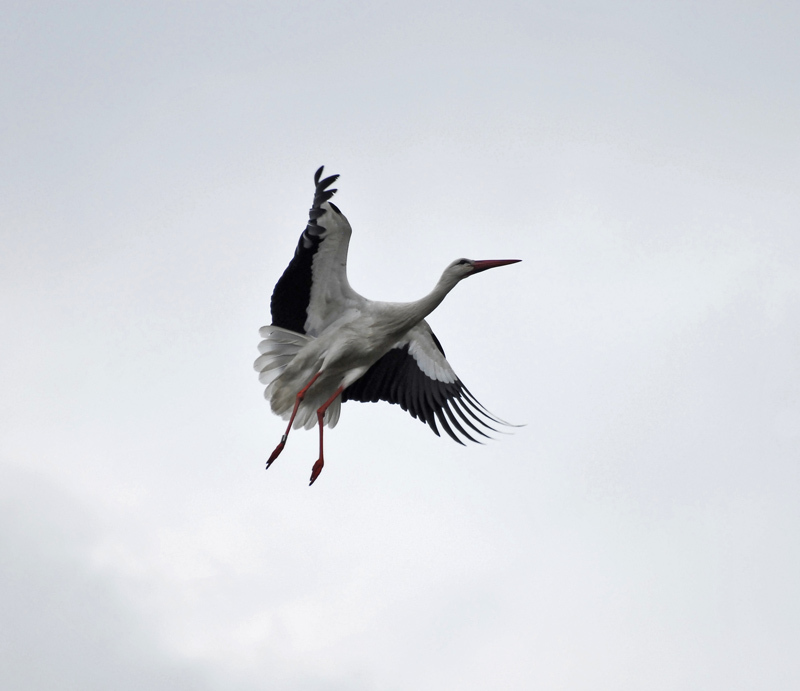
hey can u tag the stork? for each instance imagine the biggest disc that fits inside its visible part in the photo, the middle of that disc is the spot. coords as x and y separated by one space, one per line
327 344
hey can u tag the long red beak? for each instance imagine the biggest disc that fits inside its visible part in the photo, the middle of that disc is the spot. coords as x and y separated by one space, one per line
491 263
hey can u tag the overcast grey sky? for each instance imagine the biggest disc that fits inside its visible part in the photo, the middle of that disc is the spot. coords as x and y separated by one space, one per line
641 532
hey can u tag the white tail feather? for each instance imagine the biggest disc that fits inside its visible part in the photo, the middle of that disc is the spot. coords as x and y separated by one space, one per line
278 349
307 413
270 361
277 334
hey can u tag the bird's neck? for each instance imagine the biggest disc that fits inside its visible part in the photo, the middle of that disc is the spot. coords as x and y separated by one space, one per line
412 313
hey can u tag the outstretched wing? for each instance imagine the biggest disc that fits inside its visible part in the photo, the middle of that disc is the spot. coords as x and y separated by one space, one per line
313 290
415 375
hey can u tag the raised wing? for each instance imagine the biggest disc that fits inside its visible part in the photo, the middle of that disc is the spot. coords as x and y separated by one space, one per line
313 290
415 375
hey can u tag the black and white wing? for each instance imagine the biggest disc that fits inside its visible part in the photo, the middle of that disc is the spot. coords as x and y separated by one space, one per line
313 290
415 375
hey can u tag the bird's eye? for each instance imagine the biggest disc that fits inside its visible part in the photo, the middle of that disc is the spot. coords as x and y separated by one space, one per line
463 261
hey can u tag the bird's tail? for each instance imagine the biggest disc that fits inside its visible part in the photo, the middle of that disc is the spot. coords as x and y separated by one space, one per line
278 349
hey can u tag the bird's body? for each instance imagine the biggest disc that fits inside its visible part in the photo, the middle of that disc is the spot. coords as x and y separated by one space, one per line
327 344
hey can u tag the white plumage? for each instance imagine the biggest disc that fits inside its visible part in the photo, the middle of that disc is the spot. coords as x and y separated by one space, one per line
327 344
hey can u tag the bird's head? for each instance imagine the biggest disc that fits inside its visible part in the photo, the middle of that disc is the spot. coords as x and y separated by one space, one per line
461 268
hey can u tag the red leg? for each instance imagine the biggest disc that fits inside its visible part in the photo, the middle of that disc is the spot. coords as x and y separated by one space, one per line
297 402
317 469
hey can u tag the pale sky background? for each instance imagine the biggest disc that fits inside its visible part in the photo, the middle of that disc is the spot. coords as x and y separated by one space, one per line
641 532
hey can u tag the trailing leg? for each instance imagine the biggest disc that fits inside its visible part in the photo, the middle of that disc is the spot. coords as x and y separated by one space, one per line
317 469
298 399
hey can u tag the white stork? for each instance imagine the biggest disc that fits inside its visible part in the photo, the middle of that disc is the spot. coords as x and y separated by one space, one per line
327 344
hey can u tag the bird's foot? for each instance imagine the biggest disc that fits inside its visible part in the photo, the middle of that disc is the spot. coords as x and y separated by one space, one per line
316 470
277 451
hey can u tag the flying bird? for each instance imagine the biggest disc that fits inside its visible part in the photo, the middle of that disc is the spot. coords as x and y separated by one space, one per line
327 344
